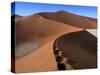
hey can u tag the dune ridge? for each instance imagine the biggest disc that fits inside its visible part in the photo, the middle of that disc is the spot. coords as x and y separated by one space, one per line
44 29
38 32
71 19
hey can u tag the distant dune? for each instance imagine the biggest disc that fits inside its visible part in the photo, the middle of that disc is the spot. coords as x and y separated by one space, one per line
36 34
71 19
92 19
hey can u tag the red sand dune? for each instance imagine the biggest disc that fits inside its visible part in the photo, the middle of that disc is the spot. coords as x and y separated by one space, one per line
44 29
71 19
36 28
32 28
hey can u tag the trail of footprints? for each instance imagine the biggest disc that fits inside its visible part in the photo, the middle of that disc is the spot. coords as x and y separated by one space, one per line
62 62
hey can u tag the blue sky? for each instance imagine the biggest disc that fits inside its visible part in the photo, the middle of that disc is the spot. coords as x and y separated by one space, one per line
28 8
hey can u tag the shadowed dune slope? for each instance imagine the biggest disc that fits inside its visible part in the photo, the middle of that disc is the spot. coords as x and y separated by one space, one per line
71 19
80 48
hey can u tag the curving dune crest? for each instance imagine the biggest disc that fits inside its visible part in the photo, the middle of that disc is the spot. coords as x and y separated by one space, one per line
36 34
38 29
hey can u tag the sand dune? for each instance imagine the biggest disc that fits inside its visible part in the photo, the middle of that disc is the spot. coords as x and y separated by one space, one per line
92 19
35 36
40 60
80 48
41 30
36 28
71 19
